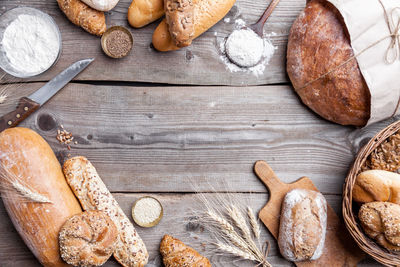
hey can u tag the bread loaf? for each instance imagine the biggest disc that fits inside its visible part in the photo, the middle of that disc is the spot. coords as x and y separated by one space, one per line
377 185
179 15
318 42
94 195
101 5
205 15
143 12
302 227
82 15
35 193
175 253
88 239
381 221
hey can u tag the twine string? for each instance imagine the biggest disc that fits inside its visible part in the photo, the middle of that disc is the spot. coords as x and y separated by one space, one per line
392 52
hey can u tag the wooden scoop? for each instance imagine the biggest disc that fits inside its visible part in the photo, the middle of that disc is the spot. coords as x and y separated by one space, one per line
339 249
258 29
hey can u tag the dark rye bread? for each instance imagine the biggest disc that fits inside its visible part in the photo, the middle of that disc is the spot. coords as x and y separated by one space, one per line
318 42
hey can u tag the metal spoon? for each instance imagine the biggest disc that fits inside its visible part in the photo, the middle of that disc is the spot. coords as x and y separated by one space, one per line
257 28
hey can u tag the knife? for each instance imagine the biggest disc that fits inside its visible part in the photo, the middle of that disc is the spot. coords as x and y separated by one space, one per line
28 105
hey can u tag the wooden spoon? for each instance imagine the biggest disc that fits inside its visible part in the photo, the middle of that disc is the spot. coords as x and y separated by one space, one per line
258 29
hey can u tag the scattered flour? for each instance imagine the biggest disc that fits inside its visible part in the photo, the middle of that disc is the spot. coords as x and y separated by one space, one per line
31 44
267 51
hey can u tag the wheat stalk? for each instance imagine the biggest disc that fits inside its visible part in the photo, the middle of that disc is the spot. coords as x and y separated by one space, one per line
253 222
228 230
235 251
13 183
29 194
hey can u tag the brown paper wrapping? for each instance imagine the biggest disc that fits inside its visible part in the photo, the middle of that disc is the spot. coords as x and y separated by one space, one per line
366 23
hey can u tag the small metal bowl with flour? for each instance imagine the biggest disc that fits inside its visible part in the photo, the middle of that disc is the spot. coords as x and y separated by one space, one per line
30 42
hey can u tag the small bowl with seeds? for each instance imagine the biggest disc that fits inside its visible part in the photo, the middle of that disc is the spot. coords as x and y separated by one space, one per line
147 211
117 42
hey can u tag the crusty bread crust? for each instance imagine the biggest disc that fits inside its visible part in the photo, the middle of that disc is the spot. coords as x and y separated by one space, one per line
82 15
206 14
318 42
302 226
179 15
176 253
27 155
93 195
88 239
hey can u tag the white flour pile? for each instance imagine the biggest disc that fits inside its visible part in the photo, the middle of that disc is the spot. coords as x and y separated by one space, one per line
147 210
245 47
31 44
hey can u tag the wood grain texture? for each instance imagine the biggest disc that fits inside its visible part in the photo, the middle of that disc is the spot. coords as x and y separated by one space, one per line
198 64
176 222
160 139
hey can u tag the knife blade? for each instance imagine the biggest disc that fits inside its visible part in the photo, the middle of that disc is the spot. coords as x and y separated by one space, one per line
28 105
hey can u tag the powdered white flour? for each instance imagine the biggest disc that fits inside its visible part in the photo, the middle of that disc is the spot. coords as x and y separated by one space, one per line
31 44
147 210
244 47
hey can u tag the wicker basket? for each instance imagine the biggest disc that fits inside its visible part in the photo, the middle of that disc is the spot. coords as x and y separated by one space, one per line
379 253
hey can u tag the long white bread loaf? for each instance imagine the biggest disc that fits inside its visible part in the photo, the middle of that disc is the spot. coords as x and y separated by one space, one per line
94 195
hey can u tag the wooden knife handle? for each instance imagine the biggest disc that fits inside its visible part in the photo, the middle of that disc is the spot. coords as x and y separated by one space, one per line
25 108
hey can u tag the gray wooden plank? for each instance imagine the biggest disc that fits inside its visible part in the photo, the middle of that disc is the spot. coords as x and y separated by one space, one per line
162 139
177 209
198 64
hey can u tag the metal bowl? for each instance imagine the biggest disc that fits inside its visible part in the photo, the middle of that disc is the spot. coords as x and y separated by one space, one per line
151 224
9 17
107 33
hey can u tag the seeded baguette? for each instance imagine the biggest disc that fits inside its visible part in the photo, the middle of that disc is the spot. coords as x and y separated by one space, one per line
92 193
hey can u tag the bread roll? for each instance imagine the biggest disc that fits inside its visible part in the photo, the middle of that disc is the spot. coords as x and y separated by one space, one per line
377 185
302 226
206 14
88 239
381 221
94 195
175 253
318 42
101 5
27 161
143 12
82 15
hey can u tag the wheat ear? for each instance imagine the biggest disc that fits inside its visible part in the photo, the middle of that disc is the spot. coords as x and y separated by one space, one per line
228 230
3 96
235 251
253 222
29 194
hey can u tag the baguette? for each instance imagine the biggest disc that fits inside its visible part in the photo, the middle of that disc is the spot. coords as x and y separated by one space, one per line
82 15
206 14
94 195
143 12
377 185
43 201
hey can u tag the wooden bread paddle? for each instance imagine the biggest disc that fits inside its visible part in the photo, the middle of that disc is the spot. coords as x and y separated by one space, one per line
339 250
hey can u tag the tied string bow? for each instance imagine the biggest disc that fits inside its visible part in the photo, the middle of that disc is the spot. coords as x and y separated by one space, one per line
392 52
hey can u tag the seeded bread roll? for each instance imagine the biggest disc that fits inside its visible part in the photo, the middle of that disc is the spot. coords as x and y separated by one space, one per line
94 195
38 199
88 239
318 42
381 221
302 226
179 15
205 15
176 254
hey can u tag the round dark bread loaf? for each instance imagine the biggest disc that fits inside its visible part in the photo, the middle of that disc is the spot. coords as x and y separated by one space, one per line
318 42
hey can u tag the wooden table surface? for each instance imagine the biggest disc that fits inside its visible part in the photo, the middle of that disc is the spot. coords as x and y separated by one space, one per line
162 124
